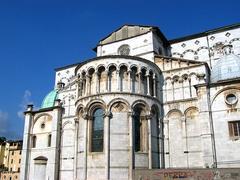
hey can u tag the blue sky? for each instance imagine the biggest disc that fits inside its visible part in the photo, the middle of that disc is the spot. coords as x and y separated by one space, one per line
38 36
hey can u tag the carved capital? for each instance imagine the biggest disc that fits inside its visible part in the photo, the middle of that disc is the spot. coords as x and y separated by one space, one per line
76 120
165 121
130 113
108 114
85 116
149 116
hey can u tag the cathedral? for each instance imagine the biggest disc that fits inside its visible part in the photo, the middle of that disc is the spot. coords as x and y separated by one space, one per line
144 102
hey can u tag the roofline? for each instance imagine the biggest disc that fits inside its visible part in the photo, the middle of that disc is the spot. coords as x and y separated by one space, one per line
67 66
122 27
204 33
165 41
219 83
180 59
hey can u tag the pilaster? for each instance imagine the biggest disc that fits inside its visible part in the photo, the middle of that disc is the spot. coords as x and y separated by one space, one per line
26 143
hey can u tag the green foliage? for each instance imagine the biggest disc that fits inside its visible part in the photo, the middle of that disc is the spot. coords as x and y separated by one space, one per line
2 139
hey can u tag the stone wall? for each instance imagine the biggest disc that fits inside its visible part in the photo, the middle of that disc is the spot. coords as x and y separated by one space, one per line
188 174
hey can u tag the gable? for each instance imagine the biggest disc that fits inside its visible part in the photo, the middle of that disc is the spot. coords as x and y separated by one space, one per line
125 32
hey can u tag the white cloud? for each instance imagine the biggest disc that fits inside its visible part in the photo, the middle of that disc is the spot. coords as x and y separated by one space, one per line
3 123
26 99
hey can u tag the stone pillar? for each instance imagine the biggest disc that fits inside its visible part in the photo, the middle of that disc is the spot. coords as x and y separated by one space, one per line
118 79
185 141
56 137
107 144
154 86
173 90
87 91
129 81
148 84
131 145
77 87
97 82
139 82
107 82
161 143
76 147
26 143
80 87
149 119
166 143
84 86
86 119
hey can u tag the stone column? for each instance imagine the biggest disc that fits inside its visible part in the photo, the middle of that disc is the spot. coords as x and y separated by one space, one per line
84 86
56 137
87 88
131 145
107 82
76 147
166 143
80 87
26 143
185 141
173 90
149 119
118 79
148 84
77 87
129 81
86 119
107 144
161 143
97 82
154 86
139 82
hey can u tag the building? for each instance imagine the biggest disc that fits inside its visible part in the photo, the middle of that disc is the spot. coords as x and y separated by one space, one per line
11 162
2 151
144 102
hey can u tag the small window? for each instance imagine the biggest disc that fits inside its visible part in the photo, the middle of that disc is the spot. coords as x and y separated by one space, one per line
19 161
234 129
49 140
20 152
43 125
11 161
18 169
34 139
231 99
13 153
10 170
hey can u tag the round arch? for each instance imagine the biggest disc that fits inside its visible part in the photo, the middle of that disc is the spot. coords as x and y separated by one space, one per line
112 102
92 105
222 90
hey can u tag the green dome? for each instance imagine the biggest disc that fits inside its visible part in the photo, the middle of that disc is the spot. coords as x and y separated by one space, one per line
49 99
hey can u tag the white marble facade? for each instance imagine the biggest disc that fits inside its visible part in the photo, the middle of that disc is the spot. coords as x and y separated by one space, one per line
160 108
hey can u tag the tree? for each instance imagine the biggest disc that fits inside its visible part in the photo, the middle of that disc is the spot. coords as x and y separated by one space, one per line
2 139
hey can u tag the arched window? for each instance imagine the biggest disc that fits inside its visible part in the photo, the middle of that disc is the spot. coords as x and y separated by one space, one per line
34 139
97 131
140 130
137 130
49 140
